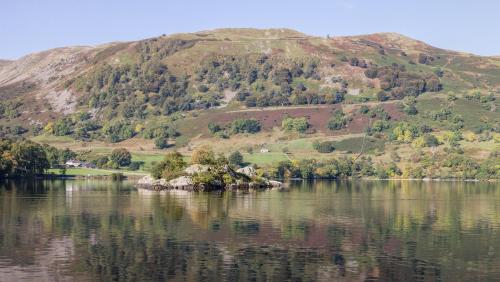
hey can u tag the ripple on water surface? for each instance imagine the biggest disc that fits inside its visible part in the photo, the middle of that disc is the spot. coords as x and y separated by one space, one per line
399 231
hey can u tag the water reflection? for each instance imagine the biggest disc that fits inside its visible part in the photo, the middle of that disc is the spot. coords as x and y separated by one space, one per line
88 230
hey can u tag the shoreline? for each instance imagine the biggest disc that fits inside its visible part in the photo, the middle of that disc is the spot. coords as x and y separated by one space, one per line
123 176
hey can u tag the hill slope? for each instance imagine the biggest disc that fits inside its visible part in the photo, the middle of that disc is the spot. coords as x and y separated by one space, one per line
171 89
48 75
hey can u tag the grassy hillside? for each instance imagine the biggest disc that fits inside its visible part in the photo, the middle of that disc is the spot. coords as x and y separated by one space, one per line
383 95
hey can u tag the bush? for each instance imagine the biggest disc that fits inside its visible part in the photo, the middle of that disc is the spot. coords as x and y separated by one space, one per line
364 109
245 126
324 147
371 72
101 162
337 121
295 124
135 165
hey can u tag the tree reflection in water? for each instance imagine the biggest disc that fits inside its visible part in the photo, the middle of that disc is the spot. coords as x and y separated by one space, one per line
312 231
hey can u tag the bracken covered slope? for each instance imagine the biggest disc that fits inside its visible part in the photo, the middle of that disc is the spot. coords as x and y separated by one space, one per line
179 72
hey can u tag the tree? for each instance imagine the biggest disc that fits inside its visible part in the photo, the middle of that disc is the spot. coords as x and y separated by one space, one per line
121 157
170 167
203 88
382 96
161 142
29 159
282 76
371 72
410 109
431 140
236 158
118 131
213 127
62 127
405 132
203 155
424 58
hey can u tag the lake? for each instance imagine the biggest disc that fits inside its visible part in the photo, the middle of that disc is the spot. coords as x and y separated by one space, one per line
312 231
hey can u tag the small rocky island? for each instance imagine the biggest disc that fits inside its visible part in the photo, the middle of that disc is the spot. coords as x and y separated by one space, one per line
206 173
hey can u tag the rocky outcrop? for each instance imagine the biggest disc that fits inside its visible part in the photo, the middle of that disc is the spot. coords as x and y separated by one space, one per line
196 168
186 183
248 171
182 183
153 184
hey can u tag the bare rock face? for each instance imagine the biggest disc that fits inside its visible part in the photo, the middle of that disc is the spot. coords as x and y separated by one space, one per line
153 184
146 180
180 182
275 184
248 171
196 168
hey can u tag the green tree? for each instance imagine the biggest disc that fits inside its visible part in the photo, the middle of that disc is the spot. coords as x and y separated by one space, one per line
121 157
30 159
203 155
170 167
236 158
63 126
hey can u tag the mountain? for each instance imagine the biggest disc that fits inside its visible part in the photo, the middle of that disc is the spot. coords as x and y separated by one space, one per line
46 78
188 89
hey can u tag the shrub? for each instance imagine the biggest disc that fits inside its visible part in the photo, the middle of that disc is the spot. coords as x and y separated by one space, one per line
135 165
364 109
295 124
245 126
371 72
324 147
337 121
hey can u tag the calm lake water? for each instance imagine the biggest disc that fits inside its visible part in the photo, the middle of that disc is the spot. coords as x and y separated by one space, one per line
312 231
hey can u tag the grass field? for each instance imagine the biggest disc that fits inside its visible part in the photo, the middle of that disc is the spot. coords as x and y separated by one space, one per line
264 158
94 172
355 145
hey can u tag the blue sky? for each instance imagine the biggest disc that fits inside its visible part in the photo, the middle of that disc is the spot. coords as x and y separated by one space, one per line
28 25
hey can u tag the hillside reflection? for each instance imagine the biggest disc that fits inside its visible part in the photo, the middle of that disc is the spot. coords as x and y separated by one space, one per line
88 230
